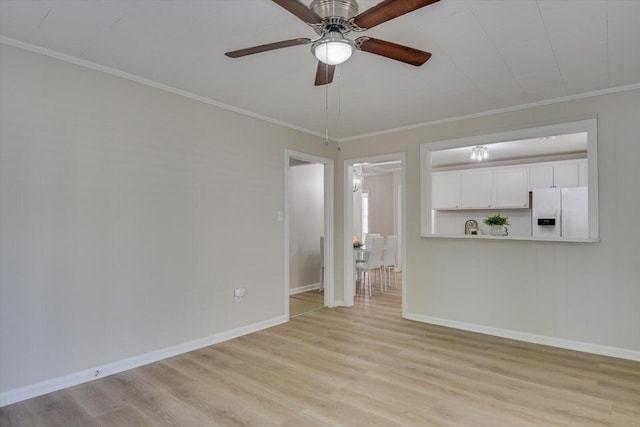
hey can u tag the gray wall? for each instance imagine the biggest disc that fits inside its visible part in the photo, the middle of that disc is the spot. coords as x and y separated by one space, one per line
381 203
306 224
127 217
582 293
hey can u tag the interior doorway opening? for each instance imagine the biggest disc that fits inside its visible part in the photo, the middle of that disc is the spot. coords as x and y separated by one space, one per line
308 233
374 203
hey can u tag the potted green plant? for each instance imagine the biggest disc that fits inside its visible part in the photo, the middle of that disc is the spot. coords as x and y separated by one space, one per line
497 224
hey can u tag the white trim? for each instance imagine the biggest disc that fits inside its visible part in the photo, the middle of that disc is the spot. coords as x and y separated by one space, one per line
329 290
512 238
603 350
305 288
82 62
348 221
70 380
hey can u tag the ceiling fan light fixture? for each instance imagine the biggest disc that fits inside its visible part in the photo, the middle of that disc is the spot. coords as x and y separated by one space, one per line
333 48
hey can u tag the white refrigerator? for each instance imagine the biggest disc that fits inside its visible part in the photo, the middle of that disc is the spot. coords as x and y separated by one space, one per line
560 212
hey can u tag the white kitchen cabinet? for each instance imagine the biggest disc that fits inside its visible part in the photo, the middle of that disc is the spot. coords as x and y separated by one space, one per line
562 174
476 189
503 187
582 171
445 190
540 176
510 188
566 175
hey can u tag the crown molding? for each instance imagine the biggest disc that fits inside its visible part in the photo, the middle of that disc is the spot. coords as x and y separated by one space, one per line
616 89
88 64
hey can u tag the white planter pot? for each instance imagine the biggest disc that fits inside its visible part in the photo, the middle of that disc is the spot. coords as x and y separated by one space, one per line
496 230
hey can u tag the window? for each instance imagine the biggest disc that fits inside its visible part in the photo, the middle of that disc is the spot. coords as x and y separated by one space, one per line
365 216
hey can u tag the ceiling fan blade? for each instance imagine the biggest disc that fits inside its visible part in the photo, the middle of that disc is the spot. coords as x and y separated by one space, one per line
324 75
266 47
387 10
395 51
300 10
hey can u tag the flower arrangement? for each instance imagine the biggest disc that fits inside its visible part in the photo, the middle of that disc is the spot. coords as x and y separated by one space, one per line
497 220
356 243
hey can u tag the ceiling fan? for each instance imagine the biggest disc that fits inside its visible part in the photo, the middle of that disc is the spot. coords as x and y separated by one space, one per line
333 20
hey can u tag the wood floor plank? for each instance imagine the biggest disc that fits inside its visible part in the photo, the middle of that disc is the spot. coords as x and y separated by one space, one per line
93 399
156 403
58 409
16 415
125 416
226 406
357 366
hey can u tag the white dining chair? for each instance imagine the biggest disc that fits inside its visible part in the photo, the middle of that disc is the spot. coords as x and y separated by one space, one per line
389 260
372 262
367 245
368 238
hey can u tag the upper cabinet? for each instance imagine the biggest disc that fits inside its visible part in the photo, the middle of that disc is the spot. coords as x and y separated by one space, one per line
476 189
445 190
510 188
485 188
582 173
503 186
540 176
562 174
566 175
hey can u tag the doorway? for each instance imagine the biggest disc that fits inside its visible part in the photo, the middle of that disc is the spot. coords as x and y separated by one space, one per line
385 171
308 233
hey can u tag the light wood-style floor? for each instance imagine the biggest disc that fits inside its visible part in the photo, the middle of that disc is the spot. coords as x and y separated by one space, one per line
305 302
360 366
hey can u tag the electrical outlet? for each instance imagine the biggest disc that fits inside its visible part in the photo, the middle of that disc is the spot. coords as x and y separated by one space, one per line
239 293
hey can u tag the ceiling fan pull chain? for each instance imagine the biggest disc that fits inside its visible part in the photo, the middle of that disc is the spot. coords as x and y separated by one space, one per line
326 111
338 127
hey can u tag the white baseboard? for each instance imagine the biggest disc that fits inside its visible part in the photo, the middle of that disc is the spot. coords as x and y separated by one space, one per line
54 384
304 288
603 350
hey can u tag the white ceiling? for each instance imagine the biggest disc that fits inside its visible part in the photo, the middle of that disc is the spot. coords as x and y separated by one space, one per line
487 55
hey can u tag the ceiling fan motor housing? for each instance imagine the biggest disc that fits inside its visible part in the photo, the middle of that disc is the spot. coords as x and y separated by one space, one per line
345 9
335 15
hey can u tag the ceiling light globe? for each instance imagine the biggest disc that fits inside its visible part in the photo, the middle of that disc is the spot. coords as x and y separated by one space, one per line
333 52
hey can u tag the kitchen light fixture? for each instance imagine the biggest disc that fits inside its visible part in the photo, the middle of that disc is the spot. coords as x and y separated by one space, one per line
333 48
357 178
479 152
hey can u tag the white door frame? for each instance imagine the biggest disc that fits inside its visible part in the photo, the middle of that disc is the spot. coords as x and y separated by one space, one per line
329 299
348 221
